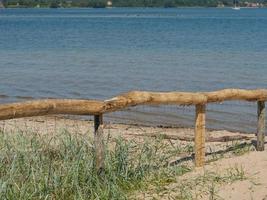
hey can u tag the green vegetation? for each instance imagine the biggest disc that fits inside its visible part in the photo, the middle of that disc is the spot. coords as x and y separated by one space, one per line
124 3
62 167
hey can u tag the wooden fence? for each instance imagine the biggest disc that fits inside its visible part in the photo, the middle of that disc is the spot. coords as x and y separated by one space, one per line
134 98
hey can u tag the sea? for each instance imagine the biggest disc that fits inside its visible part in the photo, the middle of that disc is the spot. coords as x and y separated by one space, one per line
100 53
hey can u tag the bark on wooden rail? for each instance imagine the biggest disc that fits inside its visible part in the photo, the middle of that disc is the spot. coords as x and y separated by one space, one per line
51 106
154 98
236 94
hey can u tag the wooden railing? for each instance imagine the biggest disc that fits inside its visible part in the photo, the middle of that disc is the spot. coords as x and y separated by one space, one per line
134 98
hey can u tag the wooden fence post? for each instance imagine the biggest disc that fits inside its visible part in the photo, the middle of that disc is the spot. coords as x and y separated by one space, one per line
200 135
99 142
261 126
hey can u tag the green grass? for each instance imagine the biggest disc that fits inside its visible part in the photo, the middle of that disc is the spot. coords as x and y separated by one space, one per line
62 167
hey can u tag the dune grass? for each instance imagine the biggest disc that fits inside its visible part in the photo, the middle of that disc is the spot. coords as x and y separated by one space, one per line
62 166
33 166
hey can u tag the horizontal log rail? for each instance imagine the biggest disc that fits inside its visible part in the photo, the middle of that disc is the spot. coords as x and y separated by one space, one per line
134 98
51 106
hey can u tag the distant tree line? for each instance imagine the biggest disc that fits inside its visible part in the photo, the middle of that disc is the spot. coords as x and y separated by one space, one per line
123 3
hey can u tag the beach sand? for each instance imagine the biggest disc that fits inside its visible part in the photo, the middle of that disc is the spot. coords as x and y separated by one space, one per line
253 163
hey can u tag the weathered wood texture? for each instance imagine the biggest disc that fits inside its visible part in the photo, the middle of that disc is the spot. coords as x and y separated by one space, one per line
154 98
200 127
51 106
236 94
92 107
261 126
99 142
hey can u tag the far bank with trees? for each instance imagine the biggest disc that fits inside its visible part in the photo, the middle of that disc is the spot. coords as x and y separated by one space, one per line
128 3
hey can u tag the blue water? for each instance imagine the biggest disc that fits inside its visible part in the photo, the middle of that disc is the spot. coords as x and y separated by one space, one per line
99 53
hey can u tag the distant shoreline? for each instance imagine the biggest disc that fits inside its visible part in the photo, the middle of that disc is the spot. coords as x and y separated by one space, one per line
129 7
